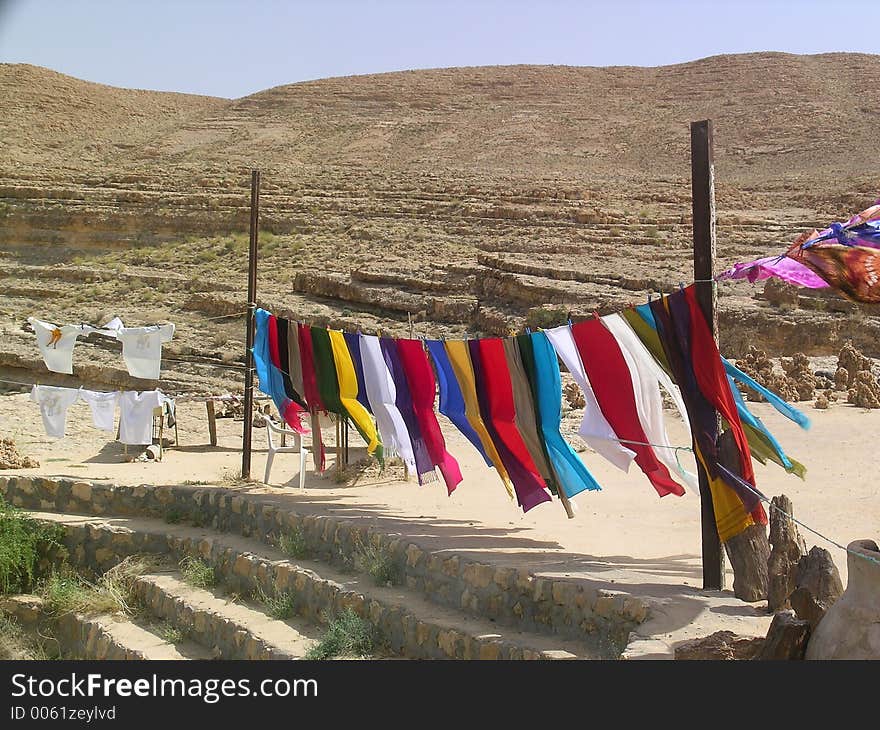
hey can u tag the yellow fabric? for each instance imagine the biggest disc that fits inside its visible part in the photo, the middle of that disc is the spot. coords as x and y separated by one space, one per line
731 517
348 390
460 359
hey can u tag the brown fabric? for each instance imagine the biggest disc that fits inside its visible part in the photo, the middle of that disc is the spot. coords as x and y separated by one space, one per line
294 358
525 410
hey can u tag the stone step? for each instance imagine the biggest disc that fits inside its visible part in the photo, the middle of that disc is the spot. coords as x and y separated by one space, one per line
405 622
230 629
498 590
98 636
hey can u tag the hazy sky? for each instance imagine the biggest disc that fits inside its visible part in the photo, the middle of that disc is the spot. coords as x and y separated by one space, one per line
235 47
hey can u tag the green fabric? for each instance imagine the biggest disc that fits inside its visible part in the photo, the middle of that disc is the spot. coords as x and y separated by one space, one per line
763 451
325 371
648 335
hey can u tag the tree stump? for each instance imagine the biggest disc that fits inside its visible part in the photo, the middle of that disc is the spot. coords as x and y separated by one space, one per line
748 552
787 637
788 548
818 586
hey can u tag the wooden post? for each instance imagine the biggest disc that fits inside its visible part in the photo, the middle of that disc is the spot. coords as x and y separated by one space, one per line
703 203
249 346
212 422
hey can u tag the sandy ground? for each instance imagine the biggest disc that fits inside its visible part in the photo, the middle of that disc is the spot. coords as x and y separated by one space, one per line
624 538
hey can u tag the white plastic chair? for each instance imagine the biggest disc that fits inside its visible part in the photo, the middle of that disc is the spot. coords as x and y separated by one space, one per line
298 447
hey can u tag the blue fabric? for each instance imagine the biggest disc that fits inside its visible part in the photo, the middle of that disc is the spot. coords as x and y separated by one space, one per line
353 342
746 416
786 409
271 382
451 398
574 477
644 311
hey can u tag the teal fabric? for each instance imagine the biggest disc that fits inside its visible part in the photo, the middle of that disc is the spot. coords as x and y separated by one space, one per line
573 474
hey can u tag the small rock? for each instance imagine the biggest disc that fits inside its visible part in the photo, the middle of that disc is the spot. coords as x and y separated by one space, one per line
724 645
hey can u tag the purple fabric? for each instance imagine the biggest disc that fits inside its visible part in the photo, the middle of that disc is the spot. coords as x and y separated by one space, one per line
783 268
403 401
354 348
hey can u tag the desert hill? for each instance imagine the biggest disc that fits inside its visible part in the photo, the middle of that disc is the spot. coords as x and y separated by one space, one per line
474 198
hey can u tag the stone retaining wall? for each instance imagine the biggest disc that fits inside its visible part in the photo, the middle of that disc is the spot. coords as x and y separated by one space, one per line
512 596
94 549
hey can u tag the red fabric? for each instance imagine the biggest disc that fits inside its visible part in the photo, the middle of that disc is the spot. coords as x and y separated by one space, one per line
423 388
290 411
611 381
499 390
713 383
310 380
310 386
272 333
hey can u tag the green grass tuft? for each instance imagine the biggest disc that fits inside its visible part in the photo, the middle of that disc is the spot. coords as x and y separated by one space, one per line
278 605
197 572
377 561
64 591
293 544
23 542
174 516
347 635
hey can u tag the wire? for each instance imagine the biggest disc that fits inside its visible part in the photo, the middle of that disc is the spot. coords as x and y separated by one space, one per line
753 491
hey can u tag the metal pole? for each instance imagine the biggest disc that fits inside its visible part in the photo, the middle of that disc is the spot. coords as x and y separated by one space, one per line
249 353
703 201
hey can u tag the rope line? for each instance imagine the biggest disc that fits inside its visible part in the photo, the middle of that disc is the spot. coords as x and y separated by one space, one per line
760 496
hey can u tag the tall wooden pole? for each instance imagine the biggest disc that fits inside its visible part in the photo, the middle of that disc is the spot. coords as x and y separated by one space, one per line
249 354
703 201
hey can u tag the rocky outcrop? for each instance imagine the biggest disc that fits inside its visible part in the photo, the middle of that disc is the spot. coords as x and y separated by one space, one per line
11 458
722 645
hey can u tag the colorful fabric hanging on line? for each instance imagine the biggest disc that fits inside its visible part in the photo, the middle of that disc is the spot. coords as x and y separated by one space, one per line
504 395
267 361
844 256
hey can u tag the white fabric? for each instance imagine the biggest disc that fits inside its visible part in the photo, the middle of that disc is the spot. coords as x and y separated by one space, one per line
382 394
647 376
112 327
56 343
136 415
103 407
142 349
54 402
595 429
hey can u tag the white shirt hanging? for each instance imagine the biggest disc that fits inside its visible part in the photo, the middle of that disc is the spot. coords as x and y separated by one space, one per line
136 415
103 407
56 343
142 349
54 402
